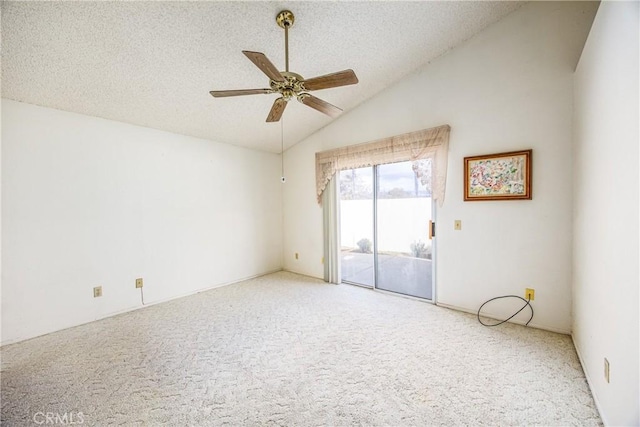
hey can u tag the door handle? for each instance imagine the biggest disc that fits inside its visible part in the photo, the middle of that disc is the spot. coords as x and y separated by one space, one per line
432 229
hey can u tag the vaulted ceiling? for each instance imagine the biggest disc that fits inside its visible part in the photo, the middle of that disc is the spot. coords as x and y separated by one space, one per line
153 63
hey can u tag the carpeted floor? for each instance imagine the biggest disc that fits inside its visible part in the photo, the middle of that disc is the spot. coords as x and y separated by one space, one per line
289 350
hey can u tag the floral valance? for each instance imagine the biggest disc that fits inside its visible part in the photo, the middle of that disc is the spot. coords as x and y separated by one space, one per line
424 144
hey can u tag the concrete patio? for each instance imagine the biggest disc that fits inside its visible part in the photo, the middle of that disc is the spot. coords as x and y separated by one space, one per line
397 273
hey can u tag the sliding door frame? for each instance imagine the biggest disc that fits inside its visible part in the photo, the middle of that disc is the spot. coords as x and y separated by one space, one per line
375 225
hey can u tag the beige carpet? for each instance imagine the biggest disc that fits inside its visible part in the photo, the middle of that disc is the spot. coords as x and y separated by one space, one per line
288 350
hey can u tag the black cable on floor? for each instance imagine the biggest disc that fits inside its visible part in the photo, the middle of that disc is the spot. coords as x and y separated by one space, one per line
526 304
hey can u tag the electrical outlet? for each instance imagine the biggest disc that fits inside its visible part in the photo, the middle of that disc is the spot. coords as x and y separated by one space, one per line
97 291
606 370
139 283
529 294
457 224
296 255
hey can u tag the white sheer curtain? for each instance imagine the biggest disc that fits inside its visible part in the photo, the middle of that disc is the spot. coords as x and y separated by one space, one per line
331 221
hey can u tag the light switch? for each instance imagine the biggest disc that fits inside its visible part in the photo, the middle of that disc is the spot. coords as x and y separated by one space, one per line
457 224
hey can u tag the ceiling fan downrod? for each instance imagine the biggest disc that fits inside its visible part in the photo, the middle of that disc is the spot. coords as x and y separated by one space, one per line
285 20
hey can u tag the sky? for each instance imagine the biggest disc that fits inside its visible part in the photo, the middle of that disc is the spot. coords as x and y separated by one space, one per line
392 175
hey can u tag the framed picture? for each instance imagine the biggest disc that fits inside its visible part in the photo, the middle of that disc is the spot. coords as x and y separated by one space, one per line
502 176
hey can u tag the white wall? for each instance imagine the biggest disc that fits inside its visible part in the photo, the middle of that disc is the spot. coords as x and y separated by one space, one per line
606 280
1 273
88 202
508 88
356 222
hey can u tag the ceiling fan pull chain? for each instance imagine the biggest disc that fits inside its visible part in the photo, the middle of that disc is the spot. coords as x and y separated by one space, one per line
282 149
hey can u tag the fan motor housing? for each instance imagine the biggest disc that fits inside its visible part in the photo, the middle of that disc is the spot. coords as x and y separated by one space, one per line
292 85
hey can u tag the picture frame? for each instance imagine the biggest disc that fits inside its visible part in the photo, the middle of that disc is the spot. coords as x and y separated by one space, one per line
500 176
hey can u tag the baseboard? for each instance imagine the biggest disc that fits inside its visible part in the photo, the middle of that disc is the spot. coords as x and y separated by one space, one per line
302 274
405 296
205 289
458 308
589 382
138 307
497 317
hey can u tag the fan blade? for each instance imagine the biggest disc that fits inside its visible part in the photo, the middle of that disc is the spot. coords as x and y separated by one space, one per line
341 78
319 104
223 93
276 111
265 65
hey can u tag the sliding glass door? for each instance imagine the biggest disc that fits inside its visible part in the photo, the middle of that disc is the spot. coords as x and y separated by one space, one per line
385 213
403 248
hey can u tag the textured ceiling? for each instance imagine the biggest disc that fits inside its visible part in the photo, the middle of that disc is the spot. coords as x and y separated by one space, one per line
154 63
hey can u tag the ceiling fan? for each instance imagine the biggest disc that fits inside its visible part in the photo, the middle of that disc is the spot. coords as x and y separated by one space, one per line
291 85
